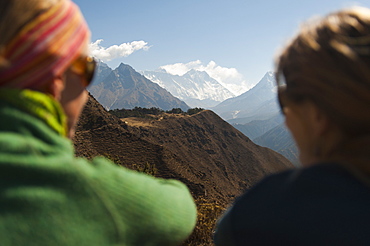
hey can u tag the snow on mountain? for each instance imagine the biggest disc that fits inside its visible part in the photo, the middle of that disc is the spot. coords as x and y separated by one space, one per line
256 104
124 87
196 88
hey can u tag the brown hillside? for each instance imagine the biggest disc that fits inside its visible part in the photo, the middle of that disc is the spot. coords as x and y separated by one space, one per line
214 159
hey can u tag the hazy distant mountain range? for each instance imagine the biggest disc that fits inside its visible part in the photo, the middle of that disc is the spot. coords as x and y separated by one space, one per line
126 88
280 140
196 88
257 128
271 133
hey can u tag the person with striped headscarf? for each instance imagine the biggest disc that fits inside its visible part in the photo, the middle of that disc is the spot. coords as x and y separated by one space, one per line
47 195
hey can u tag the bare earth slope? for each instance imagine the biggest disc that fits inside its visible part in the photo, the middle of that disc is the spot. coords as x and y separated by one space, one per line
214 159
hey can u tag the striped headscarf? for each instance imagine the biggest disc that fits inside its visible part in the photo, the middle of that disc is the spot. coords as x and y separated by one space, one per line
45 47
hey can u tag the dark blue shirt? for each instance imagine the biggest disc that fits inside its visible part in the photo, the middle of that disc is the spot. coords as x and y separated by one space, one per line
321 205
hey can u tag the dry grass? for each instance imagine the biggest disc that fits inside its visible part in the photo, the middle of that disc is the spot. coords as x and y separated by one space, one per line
208 213
139 122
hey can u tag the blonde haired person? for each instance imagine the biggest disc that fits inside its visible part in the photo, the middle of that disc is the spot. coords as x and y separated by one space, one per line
47 196
323 77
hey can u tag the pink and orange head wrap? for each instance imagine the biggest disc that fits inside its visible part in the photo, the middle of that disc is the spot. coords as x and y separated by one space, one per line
45 47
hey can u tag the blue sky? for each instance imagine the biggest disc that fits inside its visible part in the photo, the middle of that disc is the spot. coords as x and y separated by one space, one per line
238 36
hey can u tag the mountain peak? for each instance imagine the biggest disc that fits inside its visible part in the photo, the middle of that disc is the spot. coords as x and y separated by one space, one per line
270 79
197 73
270 74
126 70
124 67
263 92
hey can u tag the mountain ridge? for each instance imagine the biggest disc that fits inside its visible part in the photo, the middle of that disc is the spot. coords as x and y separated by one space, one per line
123 87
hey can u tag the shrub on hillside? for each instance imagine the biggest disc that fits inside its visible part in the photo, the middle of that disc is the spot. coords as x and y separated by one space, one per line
208 213
192 111
148 112
146 168
175 111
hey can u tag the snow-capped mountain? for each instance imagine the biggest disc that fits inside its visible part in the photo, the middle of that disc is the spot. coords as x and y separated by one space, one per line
123 87
196 88
258 103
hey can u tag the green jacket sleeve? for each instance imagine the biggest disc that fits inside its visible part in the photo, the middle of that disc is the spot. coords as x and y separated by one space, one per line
145 209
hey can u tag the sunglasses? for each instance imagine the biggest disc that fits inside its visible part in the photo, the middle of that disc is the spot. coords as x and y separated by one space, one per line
84 66
281 88
280 93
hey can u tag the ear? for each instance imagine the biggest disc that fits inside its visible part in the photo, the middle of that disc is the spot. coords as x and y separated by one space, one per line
56 87
318 119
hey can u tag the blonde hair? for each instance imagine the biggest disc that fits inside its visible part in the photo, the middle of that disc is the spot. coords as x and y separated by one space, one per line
14 14
328 63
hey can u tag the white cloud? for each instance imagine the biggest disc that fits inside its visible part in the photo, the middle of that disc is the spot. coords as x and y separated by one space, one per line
116 51
230 78
181 68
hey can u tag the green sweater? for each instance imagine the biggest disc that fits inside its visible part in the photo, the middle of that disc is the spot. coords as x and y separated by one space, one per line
50 197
